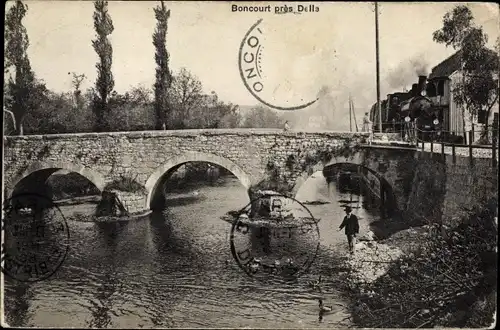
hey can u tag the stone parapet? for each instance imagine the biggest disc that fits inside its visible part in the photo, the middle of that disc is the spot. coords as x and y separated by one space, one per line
192 132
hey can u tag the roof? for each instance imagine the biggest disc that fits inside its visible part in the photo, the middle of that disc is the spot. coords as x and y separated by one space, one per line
447 67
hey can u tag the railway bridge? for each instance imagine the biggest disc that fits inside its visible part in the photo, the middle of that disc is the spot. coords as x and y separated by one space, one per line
254 156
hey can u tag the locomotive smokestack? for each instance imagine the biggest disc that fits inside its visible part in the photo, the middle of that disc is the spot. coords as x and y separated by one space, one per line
414 90
421 84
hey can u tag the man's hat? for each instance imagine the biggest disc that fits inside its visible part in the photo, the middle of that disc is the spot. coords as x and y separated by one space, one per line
348 209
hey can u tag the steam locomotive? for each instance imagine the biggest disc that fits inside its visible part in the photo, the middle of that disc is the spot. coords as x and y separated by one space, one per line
410 108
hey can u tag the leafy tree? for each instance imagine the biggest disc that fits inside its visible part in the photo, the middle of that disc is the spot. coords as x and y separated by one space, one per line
191 108
456 25
56 114
20 97
102 46
225 115
163 74
213 113
52 115
131 111
186 97
261 117
140 94
478 89
77 82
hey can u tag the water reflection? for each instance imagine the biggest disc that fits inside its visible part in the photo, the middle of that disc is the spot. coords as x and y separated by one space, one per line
102 300
164 237
175 269
102 304
18 298
35 240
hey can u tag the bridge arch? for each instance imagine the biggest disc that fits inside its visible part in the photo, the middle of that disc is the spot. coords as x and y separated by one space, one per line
353 159
46 169
389 200
193 156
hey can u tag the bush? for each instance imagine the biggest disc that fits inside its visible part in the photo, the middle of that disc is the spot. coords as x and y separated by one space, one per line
56 114
125 183
448 280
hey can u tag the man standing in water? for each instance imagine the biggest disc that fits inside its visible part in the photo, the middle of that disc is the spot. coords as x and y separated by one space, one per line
351 225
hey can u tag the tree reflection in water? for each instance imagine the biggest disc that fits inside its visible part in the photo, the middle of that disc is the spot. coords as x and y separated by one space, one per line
102 305
17 303
169 247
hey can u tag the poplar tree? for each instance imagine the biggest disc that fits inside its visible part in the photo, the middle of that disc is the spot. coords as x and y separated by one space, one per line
105 83
163 74
20 88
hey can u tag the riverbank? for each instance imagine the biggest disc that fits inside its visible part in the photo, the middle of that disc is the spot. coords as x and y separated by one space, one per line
124 218
70 188
81 217
94 199
428 276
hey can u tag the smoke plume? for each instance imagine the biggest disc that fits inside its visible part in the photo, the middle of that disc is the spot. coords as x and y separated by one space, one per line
407 72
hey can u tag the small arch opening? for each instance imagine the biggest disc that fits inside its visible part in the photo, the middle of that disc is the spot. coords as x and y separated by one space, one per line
330 190
196 181
73 193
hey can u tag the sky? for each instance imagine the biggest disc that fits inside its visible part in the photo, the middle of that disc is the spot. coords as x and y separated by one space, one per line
328 54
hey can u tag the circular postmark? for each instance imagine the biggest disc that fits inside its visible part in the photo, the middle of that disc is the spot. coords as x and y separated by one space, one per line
36 237
249 62
274 235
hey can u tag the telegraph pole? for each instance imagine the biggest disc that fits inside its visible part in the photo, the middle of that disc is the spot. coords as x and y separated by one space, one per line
379 109
350 115
354 115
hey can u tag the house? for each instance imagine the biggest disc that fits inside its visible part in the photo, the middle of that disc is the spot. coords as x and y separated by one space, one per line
440 84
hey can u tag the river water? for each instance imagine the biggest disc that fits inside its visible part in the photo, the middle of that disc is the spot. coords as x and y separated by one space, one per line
175 269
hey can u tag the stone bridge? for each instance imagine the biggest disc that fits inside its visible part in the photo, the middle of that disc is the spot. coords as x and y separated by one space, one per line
254 156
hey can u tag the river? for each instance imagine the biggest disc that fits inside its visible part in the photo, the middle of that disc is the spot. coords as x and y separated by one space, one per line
176 270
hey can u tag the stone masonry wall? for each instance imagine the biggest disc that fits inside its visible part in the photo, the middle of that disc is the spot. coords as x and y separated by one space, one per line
146 156
467 186
443 190
104 157
133 202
